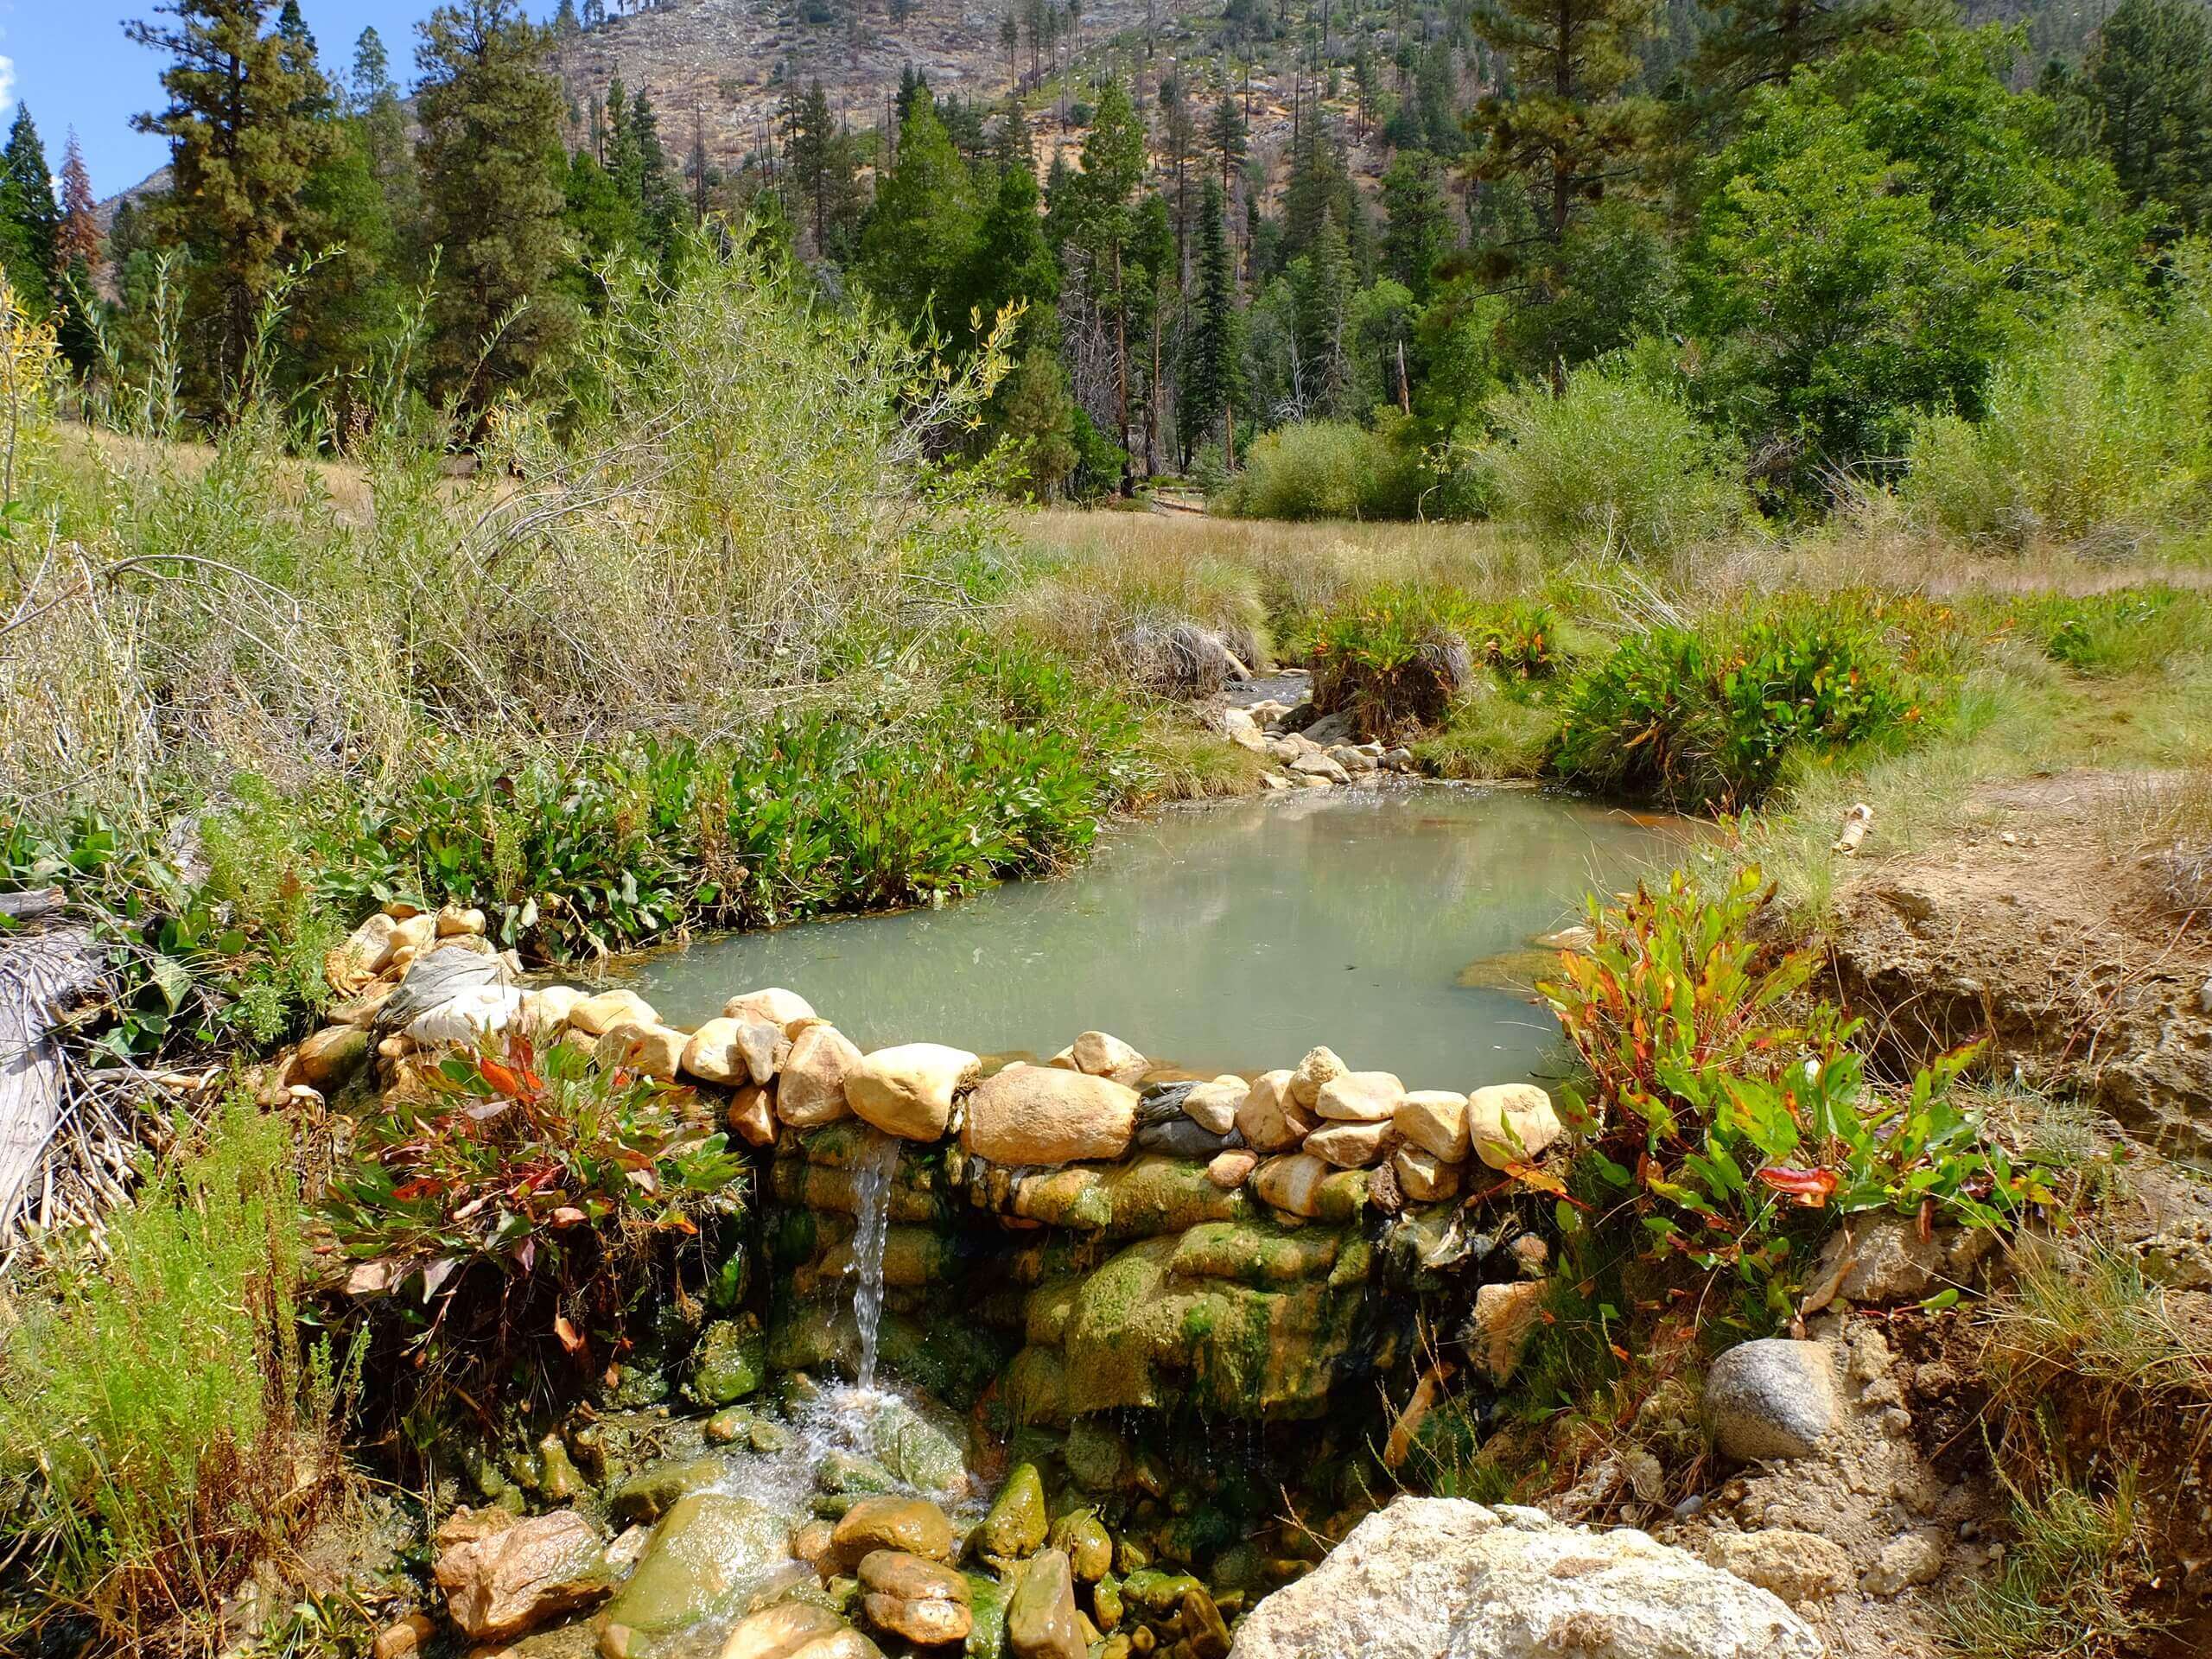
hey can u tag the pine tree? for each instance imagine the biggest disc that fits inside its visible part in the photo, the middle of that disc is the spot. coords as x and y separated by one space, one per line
1754 43
30 236
1179 142
374 100
1417 230
1566 135
565 20
921 234
1113 170
244 136
1013 262
1323 284
2150 78
594 13
79 241
1038 424
825 171
1229 137
490 117
1208 358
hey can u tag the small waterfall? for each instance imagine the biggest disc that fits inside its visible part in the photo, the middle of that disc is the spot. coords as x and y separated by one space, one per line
872 1187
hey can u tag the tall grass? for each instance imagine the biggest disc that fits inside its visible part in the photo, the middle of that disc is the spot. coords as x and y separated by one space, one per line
163 1423
1324 469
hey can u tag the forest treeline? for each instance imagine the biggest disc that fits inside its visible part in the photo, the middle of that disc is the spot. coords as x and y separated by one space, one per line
1784 241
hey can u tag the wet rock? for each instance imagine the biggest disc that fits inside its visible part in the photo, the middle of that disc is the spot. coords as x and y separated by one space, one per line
1505 1318
924 1454
1511 1122
1180 1138
913 1524
1351 1146
1206 1634
1320 1065
1015 1526
1910 1559
1435 1120
1041 1621
1212 1106
920 1600
907 1090
1422 1176
1443 1578
1799 1566
707 1555
726 1426
1256 1253
1230 1169
780 1631
558 1479
785 1010
649 1051
658 1488
1039 1115
810 1091
1089 1547
1771 1398
987 1600
732 1050
1315 764
1268 1119
1094 1456
848 1475
1099 1055
1359 1097
597 1015
731 1361
502 1576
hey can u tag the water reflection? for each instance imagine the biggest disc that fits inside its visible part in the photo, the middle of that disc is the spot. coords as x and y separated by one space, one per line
1227 937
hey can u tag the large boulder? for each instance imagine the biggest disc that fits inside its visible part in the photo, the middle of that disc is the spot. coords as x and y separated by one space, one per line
735 1049
1351 1146
811 1091
1439 1578
707 1555
1359 1097
1435 1120
907 1090
1511 1122
785 1010
1213 1106
1099 1054
921 1600
1771 1398
653 1050
503 1576
1015 1526
1036 1115
596 1015
912 1525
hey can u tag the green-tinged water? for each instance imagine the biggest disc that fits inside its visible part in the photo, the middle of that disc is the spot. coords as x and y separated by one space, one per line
1392 925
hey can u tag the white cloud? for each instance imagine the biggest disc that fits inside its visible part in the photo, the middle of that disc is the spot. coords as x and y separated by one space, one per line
7 77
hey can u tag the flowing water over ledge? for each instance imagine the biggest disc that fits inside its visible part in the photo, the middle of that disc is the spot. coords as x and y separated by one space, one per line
1393 924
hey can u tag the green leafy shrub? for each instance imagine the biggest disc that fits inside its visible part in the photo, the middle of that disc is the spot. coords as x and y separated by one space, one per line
1721 1114
1699 719
1613 464
2095 436
163 1423
1324 469
2131 631
516 1179
1397 655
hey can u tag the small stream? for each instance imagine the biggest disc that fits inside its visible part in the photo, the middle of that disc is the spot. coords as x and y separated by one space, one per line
1392 923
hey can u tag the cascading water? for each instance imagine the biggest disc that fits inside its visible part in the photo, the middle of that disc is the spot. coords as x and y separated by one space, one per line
872 1188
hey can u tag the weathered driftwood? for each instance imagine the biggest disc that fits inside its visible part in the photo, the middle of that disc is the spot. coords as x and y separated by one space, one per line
43 972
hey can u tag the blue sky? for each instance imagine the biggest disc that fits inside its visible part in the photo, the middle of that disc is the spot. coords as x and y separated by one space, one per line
67 59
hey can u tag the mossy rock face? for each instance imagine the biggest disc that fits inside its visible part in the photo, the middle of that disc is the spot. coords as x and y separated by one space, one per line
1047 1310
1140 1336
915 1257
808 1334
926 1455
730 1362
1255 1253
914 1195
1015 1527
1035 1387
1096 1459
949 1358
658 1488
987 1602
709 1552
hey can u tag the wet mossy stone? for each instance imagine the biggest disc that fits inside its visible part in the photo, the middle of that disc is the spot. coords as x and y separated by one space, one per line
809 1334
1106 1604
1016 1524
923 1453
850 1476
659 1488
731 1423
1157 1594
706 1556
986 1601
1256 1253
731 1361
1147 1197
1090 1548
1047 1310
1042 1622
1141 1337
1035 1387
951 1358
1096 1457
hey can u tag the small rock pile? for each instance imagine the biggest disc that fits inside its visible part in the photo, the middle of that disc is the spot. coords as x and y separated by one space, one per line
1319 755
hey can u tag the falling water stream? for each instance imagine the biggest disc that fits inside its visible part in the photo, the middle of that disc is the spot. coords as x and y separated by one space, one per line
872 1188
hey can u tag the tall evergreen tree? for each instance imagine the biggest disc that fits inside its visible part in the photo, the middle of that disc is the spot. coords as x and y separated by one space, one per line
491 117
921 234
1228 136
382 124
1012 261
2150 78
27 198
826 172
1208 358
1112 170
1417 220
80 240
1753 43
565 20
245 136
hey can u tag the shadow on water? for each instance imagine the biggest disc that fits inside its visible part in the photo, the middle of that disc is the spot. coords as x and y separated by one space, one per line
1230 937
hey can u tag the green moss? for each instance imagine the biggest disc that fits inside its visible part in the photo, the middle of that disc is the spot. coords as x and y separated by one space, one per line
1257 1253
1035 1387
